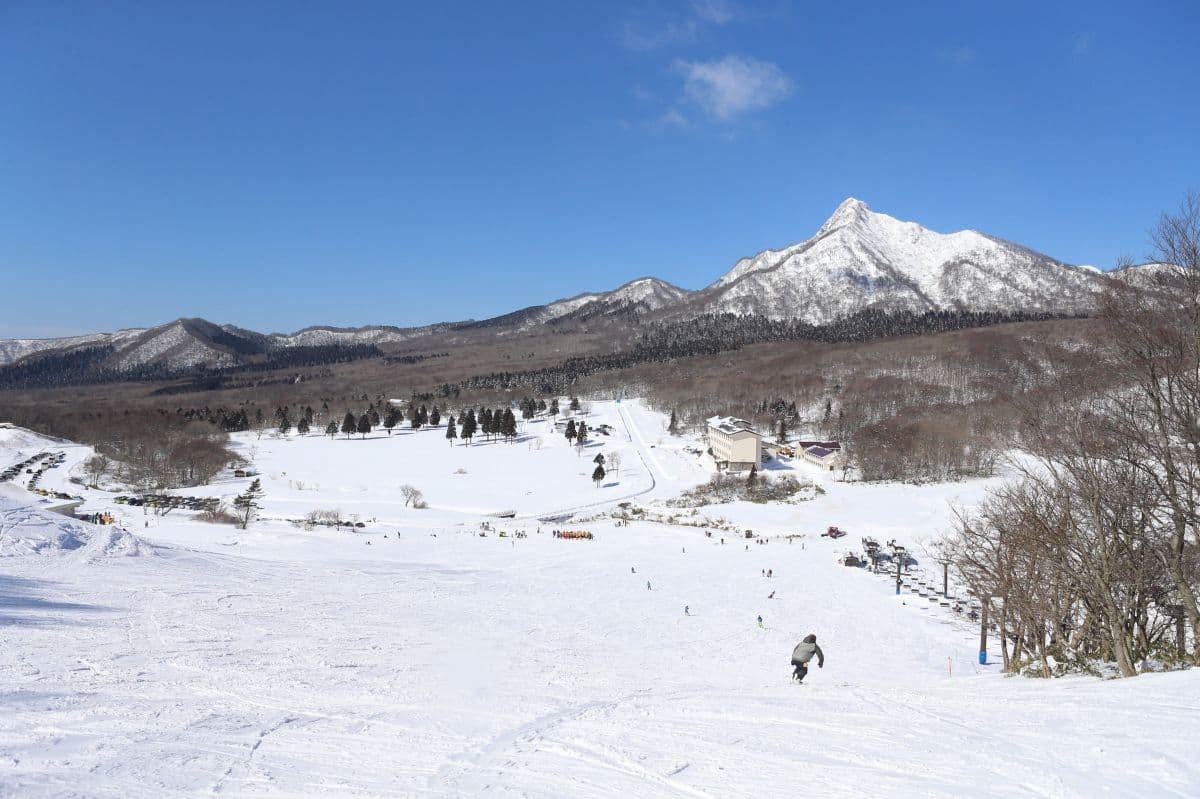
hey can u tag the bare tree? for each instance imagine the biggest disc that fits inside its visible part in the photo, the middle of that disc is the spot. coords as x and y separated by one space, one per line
1154 327
412 495
96 467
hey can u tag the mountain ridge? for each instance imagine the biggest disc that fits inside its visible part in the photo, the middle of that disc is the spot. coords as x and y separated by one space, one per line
858 260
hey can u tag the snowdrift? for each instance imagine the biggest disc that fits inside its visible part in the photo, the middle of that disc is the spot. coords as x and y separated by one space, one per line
26 530
20 439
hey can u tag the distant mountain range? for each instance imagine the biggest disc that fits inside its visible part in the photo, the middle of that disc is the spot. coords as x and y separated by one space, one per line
858 260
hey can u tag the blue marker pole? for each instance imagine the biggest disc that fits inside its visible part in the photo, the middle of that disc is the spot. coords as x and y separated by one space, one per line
983 622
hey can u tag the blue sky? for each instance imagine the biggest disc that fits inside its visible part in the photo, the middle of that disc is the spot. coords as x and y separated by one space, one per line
277 165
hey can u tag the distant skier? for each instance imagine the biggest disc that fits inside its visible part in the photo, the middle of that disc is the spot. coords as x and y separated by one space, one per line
647 585
803 653
686 611
760 626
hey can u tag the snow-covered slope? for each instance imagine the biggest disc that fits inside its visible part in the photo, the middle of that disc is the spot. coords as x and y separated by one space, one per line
17 348
643 295
1147 276
374 334
27 529
861 259
417 657
182 344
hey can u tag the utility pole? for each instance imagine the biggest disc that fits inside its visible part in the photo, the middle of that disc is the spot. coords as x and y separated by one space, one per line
945 578
898 560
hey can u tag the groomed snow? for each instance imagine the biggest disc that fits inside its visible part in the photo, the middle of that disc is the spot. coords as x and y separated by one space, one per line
396 662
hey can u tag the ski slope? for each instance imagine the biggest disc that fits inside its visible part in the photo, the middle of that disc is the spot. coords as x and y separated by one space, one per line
416 658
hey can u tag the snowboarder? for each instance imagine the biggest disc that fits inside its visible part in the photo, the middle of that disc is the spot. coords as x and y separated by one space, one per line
647 585
803 653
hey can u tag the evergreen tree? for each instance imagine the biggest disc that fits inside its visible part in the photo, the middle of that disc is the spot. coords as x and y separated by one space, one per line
673 427
435 416
574 403
423 416
752 478
598 475
247 505
391 418
373 415
348 425
783 431
285 422
308 414
599 459
451 434
828 409
331 428
302 426
414 421
554 406
581 434
541 406
468 427
570 434
364 425
485 421
509 428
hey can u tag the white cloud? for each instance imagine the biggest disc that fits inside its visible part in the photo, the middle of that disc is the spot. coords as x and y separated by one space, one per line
679 28
733 85
640 36
1081 44
717 12
672 119
957 55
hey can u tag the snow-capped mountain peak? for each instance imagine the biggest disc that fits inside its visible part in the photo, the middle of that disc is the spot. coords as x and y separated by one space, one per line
862 259
849 212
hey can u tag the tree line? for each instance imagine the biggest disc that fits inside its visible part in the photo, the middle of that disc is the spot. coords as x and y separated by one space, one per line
1093 552
711 334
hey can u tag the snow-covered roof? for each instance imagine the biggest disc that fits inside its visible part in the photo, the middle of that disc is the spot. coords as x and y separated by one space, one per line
730 424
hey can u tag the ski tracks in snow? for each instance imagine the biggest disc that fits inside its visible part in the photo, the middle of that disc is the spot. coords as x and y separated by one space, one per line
506 757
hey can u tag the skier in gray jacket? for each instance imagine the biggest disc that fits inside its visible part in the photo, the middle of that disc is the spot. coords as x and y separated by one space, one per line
803 653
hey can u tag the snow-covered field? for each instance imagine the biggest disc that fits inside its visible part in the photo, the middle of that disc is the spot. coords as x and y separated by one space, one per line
414 657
